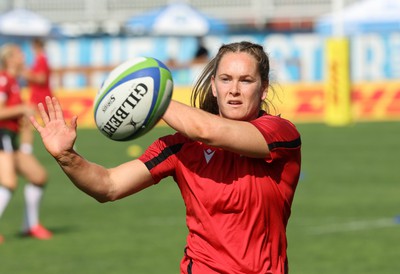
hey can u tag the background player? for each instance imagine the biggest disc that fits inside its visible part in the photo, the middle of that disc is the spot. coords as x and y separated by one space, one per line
13 120
38 76
38 79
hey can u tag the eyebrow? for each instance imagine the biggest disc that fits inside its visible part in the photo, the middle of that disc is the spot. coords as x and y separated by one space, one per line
241 76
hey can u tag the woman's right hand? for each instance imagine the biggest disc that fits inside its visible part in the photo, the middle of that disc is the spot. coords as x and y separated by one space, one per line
58 137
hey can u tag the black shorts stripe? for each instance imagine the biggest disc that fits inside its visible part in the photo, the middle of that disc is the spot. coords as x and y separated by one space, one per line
190 264
289 144
189 268
164 154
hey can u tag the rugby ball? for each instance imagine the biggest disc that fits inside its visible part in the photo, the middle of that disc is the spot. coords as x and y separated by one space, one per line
133 98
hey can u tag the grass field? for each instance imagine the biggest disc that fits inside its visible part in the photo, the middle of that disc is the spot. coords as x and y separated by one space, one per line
343 215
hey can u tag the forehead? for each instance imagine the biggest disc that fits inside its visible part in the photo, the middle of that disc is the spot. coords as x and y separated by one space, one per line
237 62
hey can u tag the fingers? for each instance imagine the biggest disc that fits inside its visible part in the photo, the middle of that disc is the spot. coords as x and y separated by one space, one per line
54 112
57 107
50 108
74 122
43 114
54 109
35 124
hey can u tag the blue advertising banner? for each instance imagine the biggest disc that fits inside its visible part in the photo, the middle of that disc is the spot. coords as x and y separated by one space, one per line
294 58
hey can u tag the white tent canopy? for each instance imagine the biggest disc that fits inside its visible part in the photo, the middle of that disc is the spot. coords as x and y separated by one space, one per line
177 19
364 17
22 22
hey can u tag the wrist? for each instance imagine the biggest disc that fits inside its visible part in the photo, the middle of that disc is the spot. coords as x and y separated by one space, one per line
68 158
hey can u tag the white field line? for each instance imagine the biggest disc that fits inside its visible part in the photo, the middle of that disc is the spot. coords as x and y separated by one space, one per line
353 226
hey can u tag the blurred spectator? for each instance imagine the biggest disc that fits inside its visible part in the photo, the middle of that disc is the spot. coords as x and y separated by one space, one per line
201 56
196 64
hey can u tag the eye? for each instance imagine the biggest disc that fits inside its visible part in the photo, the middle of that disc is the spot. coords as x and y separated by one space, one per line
247 80
224 79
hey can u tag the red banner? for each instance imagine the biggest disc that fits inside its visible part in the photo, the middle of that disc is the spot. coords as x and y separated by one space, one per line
369 102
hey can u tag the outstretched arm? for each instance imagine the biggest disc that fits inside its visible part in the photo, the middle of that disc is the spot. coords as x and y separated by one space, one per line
14 111
237 136
37 78
95 180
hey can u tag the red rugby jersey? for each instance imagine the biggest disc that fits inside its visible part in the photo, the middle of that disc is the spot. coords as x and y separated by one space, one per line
237 208
10 93
40 91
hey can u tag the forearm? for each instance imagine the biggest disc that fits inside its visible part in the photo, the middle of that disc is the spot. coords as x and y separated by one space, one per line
36 78
191 122
11 112
89 177
237 136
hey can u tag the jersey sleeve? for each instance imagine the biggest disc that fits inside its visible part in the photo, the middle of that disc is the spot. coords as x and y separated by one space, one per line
281 135
160 157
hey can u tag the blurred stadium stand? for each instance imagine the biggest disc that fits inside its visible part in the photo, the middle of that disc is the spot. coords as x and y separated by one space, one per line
109 15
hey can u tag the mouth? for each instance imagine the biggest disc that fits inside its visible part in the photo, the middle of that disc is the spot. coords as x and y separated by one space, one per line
234 102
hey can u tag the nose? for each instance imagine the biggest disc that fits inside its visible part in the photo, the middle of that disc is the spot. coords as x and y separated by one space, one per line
235 89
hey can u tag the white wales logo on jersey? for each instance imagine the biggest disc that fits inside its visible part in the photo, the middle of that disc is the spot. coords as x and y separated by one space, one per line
208 154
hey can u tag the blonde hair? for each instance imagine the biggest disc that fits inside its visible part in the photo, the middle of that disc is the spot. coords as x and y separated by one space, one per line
6 51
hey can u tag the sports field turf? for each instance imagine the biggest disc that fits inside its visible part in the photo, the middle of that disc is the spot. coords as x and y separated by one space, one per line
343 215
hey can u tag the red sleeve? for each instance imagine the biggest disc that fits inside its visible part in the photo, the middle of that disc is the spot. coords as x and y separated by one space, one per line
160 157
280 135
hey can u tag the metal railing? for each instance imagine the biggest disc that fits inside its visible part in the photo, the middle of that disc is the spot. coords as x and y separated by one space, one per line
232 11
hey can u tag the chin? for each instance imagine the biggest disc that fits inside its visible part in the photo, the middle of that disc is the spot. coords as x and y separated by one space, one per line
239 114
235 116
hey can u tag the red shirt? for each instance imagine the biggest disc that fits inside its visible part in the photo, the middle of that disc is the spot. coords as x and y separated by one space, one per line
237 207
40 91
9 96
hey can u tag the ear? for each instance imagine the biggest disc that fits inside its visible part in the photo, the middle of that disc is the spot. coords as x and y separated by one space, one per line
264 92
213 88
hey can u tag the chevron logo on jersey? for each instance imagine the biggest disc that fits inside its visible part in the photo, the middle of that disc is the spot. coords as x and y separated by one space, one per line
208 154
